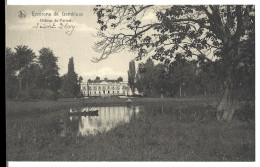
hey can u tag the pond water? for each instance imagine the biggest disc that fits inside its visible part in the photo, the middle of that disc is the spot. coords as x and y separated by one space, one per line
62 124
108 118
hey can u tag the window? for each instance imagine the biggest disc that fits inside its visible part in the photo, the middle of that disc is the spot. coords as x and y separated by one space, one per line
84 88
95 88
99 88
118 88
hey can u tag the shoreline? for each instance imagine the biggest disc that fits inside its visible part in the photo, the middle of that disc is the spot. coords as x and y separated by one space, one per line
14 107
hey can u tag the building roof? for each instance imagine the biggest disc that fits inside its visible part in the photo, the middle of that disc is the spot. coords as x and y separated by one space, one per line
104 82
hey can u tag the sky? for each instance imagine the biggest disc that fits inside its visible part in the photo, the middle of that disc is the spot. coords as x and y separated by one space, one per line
79 45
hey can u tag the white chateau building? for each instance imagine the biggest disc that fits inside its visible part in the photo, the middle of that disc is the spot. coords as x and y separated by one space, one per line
105 89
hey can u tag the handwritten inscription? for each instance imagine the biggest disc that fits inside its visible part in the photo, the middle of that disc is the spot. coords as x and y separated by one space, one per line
53 21
69 28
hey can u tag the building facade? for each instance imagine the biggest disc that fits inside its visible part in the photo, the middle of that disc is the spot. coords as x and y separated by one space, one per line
105 89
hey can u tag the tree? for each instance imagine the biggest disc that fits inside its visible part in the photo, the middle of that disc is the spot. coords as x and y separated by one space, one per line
34 77
181 76
97 78
199 31
9 59
131 75
37 76
80 79
119 79
152 79
10 78
49 69
23 58
79 86
70 81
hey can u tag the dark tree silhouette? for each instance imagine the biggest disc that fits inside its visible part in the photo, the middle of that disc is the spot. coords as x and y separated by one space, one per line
70 81
49 69
24 57
120 79
131 75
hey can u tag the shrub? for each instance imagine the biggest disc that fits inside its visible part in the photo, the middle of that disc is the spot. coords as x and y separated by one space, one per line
246 112
43 94
49 95
23 95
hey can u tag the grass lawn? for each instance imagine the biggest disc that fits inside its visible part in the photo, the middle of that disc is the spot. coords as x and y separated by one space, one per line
176 134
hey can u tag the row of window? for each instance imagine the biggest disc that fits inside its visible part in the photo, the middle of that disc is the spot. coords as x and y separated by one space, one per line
104 92
104 87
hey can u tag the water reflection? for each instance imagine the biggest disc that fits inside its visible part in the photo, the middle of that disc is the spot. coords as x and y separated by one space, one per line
108 118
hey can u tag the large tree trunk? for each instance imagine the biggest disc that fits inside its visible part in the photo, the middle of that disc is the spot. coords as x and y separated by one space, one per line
227 102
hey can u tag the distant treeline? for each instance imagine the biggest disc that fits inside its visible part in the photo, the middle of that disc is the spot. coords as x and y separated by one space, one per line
187 78
31 76
98 79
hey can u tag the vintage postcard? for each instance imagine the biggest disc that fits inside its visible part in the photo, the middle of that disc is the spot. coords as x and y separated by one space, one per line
130 83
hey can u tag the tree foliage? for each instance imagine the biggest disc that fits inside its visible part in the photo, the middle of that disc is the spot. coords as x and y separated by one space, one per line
11 81
23 58
31 77
190 30
154 80
97 78
70 82
131 75
119 79
49 69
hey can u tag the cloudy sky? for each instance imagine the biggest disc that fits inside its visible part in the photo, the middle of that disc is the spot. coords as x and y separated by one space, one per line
20 31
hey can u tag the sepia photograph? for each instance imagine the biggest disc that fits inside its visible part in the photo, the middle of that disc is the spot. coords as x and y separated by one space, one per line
130 83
